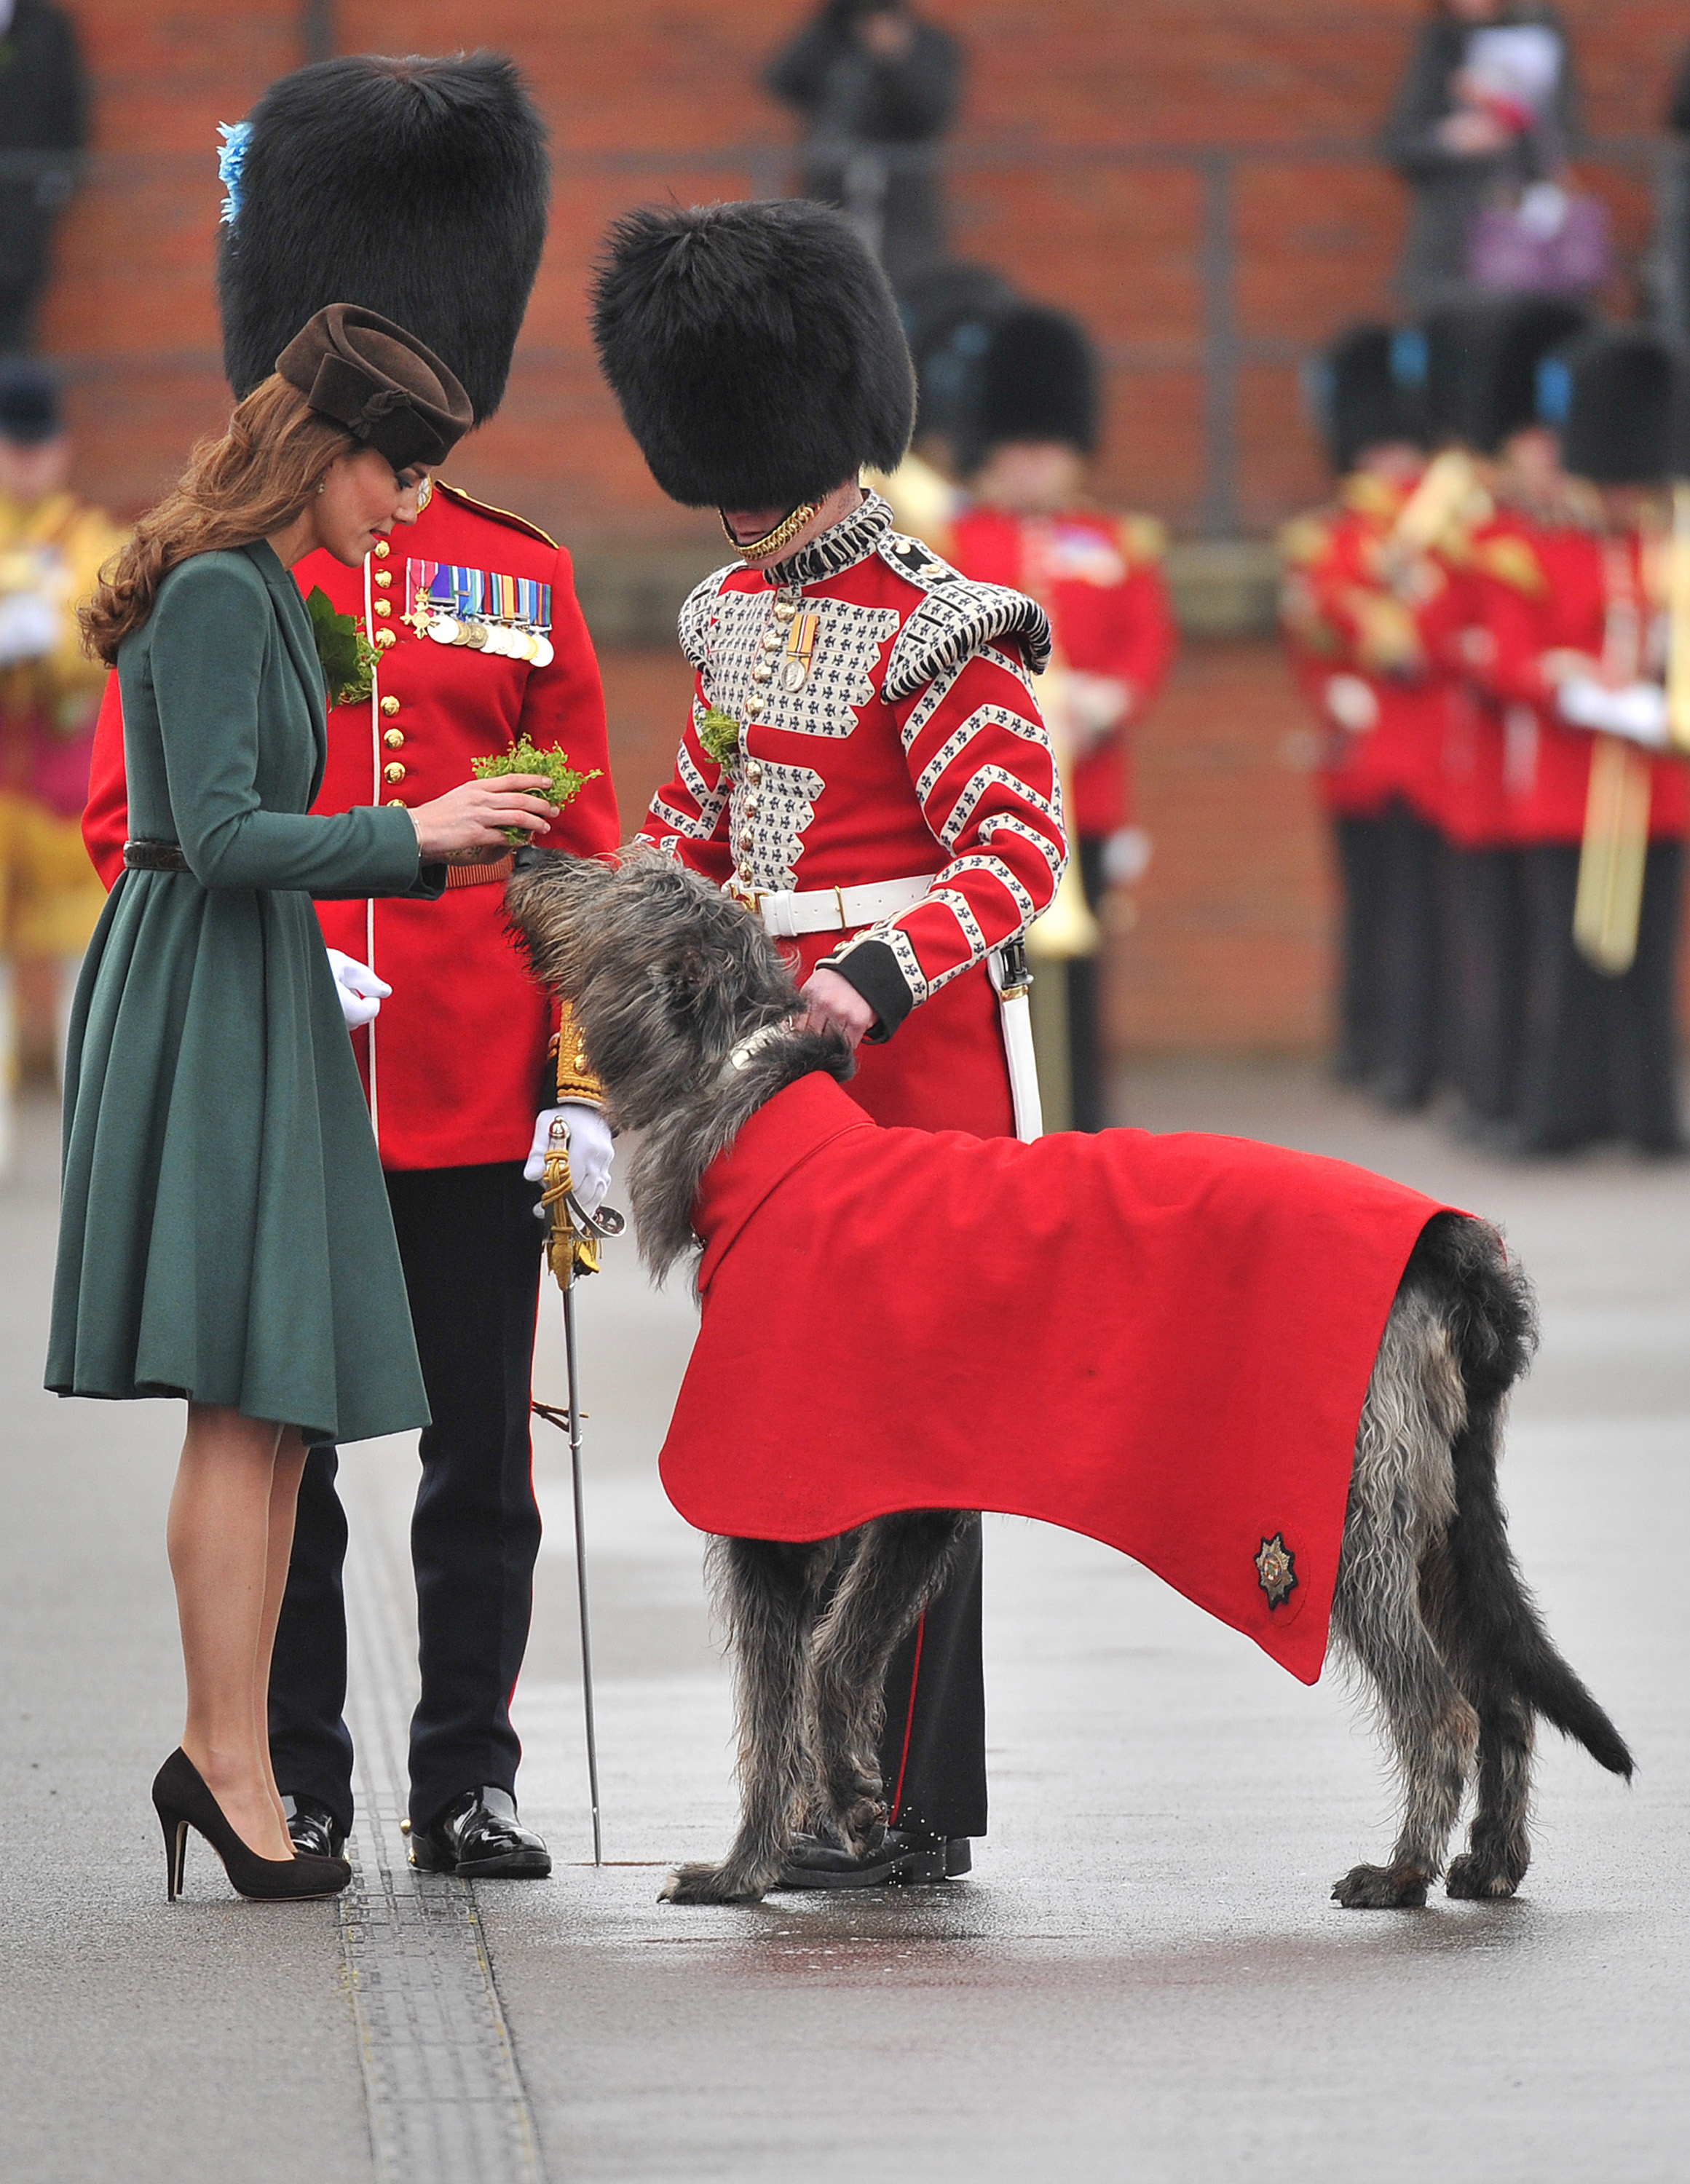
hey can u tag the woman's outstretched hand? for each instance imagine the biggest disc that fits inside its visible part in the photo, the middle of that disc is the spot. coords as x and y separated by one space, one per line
466 826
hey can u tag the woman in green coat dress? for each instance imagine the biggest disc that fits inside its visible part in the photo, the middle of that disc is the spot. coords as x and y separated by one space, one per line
224 1234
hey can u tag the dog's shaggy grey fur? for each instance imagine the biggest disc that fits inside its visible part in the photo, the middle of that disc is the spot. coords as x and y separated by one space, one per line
666 976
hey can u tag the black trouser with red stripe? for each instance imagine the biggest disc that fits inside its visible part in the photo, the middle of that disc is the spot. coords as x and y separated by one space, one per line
470 1250
933 1752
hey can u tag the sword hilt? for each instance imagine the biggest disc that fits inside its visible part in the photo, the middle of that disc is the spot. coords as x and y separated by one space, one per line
573 1235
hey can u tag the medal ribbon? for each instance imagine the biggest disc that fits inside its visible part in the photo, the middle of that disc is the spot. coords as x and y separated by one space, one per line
480 594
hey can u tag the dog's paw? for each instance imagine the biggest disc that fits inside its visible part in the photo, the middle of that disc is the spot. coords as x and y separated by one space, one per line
1381 1888
1475 1879
706 1884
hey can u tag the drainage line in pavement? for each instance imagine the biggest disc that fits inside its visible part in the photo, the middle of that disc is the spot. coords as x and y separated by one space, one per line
445 2099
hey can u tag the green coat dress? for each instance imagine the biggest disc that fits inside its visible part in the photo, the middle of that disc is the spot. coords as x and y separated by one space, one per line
225 1232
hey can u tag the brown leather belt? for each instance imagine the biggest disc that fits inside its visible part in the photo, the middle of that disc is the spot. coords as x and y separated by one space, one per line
155 857
463 875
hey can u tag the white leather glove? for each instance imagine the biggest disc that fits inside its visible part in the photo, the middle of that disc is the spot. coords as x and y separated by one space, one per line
591 1150
1637 711
30 626
1094 704
1126 856
360 991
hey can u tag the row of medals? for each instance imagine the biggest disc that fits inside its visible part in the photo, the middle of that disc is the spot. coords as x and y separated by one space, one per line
500 640
789 631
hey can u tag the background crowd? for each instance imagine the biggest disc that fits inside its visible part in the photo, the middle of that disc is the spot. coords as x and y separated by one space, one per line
1019 443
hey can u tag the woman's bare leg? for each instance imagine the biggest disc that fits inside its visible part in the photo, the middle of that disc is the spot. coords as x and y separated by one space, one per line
218 1538
284 1496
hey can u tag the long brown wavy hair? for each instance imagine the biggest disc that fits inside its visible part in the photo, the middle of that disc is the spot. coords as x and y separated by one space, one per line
248 484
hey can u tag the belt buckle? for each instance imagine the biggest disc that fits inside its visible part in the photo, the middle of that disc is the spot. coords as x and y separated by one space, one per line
746 897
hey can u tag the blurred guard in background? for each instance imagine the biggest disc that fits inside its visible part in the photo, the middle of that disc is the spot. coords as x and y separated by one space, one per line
51 549
43 127
1030 434
1579 643
1481 403
419 188
863 766
1358 584
946 314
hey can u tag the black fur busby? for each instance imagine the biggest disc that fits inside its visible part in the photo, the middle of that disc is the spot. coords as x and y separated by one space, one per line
754 349
949 311
1613 392
1482 365
416 188
1038 381
1367 390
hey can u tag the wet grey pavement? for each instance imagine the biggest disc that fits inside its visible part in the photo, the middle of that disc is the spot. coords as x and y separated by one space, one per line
1143 1980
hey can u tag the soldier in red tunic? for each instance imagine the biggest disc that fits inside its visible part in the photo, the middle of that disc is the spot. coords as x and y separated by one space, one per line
1355 594
1577 636
418 187
1033 429
1481 399
865 766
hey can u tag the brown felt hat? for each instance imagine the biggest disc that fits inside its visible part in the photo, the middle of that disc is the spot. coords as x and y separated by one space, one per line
380 382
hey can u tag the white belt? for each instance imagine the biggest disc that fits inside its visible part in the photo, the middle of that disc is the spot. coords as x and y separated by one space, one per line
786 914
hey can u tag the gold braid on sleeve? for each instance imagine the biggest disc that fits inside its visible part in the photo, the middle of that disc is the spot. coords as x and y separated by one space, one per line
567 1056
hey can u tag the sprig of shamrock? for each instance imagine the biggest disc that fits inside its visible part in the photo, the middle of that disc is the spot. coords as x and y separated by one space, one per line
348 656
526 757
719 734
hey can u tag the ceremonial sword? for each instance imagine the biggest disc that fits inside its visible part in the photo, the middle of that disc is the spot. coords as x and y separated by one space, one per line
572 1241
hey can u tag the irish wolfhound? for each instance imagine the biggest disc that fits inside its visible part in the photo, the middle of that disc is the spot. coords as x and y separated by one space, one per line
688 1015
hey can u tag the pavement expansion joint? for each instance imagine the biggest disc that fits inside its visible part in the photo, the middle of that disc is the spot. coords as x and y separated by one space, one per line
444 2096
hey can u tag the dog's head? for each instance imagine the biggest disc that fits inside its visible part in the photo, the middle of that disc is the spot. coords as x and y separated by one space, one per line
665 972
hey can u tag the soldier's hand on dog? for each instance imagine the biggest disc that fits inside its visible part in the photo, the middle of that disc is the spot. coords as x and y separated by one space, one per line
465 826
833 1004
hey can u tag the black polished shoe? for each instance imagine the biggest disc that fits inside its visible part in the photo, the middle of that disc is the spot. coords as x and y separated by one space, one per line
897 1858
479 1837
313 1828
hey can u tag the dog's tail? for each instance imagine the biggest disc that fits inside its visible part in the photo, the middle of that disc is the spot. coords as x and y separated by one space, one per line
1499 1630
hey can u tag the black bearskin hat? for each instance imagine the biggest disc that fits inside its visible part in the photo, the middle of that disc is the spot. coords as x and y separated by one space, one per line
1613 393
754 349
948 313
1038 381
1367 390
1482 365
416 188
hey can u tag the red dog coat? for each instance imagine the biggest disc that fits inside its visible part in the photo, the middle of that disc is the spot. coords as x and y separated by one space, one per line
1163 1342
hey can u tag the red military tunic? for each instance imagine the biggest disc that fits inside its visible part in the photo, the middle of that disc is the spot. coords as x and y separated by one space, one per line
1482 737
893 737
454 1062
1360 635
1099 578
1557 598
1163 1342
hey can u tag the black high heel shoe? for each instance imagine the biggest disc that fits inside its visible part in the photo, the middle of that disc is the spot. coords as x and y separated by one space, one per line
182 1801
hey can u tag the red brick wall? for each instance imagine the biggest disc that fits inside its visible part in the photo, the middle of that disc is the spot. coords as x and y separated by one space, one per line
657 95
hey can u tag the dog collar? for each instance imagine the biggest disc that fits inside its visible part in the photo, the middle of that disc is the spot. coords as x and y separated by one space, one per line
753 1044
